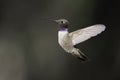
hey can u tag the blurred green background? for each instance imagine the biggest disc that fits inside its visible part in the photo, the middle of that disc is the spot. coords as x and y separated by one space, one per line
29 49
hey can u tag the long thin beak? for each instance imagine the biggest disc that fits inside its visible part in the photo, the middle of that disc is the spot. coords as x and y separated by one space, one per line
51 20
55 21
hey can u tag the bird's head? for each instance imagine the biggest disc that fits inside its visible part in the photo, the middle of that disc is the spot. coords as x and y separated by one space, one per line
63 23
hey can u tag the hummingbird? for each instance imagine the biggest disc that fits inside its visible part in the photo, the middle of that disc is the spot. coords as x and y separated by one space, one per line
67 40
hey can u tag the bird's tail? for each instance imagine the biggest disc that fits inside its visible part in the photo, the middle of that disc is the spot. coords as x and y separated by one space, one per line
80 55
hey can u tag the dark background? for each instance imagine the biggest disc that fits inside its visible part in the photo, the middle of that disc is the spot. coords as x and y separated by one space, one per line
29 48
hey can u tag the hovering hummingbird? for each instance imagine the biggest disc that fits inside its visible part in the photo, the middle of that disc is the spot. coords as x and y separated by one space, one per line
68 40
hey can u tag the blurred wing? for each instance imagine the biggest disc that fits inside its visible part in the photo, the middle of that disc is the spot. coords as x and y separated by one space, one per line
86 33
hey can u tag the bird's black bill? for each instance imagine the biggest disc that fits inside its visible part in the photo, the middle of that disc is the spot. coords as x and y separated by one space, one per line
48 19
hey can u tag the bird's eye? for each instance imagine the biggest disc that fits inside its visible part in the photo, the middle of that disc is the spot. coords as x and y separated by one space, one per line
61 21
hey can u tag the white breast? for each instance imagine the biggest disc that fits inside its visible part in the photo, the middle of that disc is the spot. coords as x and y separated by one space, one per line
65 41
61 36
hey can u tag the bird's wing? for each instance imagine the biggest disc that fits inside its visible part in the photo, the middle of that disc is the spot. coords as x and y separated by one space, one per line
86 33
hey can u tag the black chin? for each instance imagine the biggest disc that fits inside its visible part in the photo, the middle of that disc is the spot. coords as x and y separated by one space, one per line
64 26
